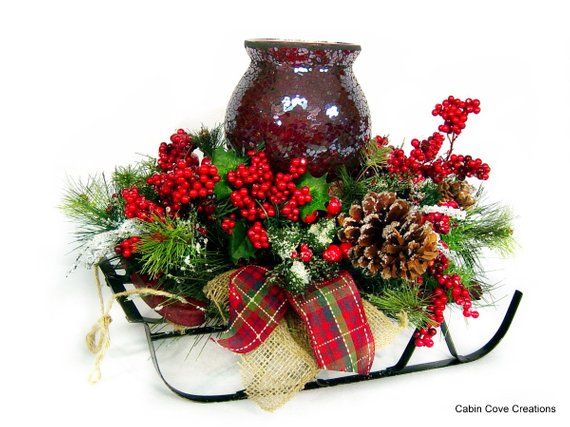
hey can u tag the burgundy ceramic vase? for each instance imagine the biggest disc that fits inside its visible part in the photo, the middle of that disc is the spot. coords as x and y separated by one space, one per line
300 99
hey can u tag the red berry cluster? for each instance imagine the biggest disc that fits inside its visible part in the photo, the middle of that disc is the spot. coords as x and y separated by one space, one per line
447 284
138 206
305 253
454 113
127 247
258 192
183 182
424 337
465 166
440 222
180 149
258 236
424 160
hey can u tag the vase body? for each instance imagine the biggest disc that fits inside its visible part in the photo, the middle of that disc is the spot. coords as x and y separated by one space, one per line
300 99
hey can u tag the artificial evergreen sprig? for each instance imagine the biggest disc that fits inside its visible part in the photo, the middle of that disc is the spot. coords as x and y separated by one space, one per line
91 204
209 140
167 244
404 299
486 226
135 176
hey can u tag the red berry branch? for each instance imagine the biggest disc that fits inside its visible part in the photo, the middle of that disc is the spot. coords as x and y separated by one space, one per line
183 178
425 160
449 286
127 247
138 206
260 193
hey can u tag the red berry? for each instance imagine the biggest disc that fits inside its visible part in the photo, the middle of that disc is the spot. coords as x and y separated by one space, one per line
333 253
306 252
334 206
310 218
345 247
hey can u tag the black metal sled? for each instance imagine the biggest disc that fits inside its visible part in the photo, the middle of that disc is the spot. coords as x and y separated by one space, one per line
117 282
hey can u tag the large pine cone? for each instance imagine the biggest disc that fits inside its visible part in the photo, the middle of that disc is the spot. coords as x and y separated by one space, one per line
388 238
459 191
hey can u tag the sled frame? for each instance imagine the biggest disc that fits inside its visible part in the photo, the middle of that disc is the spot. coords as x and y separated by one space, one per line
117 282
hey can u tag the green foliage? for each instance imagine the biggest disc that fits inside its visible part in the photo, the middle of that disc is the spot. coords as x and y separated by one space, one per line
404 298
240 246
486 226
191 277
225 161
319 193
92 206
209 140
375 155
428 192
354 188
168 244
286 237
296 276
135 175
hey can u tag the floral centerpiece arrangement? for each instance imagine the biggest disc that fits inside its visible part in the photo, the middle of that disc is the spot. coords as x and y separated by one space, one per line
310 272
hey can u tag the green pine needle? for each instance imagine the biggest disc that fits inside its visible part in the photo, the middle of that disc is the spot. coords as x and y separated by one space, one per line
135 176
393 301
167 244
91 204
486 226
208 140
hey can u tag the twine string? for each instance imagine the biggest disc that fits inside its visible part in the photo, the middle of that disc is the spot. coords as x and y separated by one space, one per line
98 339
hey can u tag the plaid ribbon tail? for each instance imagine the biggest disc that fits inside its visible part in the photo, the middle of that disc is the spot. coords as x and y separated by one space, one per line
255 310
339 332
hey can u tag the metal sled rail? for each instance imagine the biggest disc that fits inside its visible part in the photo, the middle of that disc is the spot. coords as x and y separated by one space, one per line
117 283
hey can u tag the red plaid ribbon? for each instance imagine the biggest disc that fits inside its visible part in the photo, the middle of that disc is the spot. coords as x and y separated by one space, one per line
255 310
339 333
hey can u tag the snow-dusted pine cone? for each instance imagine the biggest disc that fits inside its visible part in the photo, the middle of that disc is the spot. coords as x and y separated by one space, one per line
388 237
460 191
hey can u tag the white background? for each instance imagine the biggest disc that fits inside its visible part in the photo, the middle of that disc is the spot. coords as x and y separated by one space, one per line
86 85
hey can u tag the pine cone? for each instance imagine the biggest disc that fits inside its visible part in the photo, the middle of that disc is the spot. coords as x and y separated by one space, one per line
387 237
460 191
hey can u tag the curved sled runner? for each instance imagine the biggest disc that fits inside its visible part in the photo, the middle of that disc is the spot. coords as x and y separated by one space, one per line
118 281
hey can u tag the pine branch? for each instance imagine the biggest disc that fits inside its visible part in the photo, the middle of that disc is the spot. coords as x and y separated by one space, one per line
135 176
375 155
191 277
167 244
393 301
208 140
92 205
486 226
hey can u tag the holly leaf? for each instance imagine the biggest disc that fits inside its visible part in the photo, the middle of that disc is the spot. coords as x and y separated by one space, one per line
319 192
240 246
225 161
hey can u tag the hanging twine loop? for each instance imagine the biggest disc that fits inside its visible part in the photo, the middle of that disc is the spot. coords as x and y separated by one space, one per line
98 339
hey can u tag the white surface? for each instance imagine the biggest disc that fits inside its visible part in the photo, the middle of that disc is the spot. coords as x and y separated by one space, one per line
85 85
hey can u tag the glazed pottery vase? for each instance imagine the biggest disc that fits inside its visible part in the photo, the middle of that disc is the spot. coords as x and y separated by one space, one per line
300 99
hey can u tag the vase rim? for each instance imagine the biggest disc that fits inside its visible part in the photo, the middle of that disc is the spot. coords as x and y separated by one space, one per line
311 45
